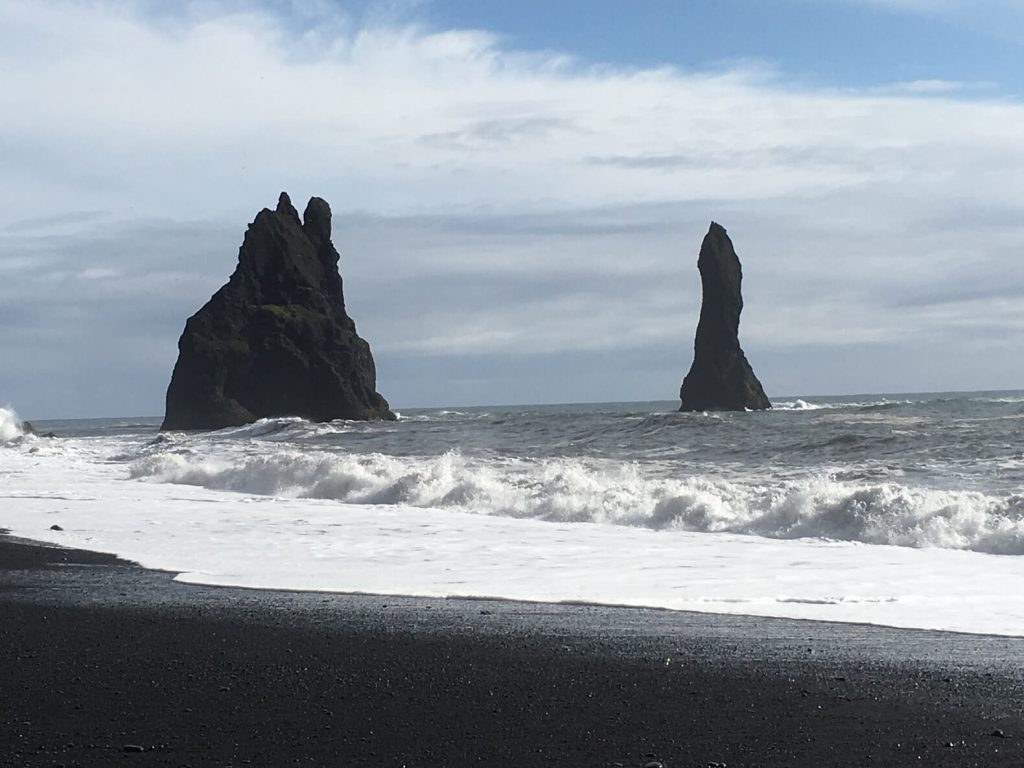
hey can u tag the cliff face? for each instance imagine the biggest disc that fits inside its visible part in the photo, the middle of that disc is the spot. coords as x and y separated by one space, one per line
720 378
276 340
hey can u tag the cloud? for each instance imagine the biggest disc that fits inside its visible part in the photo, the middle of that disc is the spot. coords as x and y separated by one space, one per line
924 87
519 210
120 108
486 134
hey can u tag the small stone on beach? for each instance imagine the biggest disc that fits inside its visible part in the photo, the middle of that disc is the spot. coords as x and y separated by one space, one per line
56 528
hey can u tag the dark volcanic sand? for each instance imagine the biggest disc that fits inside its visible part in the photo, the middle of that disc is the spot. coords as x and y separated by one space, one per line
97 655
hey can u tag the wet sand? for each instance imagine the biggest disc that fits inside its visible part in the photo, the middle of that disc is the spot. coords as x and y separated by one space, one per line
104 663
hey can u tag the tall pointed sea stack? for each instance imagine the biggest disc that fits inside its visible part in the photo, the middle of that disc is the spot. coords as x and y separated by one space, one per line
275 340
720 378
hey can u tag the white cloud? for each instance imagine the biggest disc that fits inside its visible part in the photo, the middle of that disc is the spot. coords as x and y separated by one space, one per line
925 87
452 160
187 115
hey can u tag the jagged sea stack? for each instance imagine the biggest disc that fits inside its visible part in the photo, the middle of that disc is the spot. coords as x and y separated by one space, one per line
720 378
275 340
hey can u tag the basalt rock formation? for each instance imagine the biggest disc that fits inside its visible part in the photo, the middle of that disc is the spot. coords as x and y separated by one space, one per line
276 340
28 429
720 378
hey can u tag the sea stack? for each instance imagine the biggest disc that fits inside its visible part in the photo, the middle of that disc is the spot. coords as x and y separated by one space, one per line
720 378
276 340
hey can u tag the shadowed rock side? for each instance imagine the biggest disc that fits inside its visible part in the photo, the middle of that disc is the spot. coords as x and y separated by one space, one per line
720 378
276 340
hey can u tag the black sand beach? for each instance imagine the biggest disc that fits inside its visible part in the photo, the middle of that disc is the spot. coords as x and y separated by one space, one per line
103 663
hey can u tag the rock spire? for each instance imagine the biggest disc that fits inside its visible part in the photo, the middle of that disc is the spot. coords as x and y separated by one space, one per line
720 378
276 340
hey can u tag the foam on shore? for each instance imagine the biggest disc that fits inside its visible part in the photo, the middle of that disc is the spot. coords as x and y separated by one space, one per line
226 537
612 493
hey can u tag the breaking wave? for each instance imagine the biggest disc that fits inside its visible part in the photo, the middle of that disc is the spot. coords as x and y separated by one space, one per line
279 426
798 405
616 493
868 405
10 425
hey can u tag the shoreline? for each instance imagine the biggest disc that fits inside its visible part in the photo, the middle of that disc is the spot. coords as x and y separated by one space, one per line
100 557
99 655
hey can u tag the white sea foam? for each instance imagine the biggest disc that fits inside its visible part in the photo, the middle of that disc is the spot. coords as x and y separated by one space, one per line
574 490
10 425
803 405
386 545
220 537
798 405
266 427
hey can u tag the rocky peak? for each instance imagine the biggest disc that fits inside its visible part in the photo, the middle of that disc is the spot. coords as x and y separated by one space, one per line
317 220
285 208
276 340
720 378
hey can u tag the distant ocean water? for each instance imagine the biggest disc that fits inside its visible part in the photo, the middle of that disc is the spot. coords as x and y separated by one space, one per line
903 509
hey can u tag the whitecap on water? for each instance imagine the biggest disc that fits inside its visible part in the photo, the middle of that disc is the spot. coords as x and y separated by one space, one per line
613 493
10 425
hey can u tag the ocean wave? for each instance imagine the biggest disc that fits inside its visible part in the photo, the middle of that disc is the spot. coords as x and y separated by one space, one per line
883 404
616 493
278 427
861 405
447 414
264 427
10 425
799 405
412 417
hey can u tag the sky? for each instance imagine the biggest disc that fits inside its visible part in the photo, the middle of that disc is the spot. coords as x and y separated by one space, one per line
520 189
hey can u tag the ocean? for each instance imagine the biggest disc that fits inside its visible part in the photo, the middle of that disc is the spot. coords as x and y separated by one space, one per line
904 509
